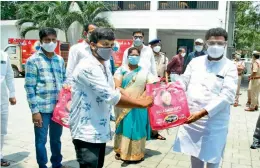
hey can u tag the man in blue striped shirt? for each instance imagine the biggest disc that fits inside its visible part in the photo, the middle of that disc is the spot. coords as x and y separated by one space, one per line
44 77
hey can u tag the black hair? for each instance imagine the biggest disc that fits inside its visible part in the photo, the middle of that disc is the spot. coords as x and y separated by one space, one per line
46 32
138 31
132 49
87 25
180 49
102 34
256 56
216 32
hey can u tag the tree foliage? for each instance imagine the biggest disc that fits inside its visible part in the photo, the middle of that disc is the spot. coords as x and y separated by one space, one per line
9 9
247 31
59 15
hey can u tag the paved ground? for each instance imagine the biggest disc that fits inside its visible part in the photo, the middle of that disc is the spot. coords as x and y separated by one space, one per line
19 146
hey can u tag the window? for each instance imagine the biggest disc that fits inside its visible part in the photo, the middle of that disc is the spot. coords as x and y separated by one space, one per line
11 50
190 5
128 5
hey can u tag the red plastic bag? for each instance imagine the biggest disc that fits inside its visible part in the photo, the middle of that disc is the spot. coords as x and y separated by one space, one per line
170 107
62 108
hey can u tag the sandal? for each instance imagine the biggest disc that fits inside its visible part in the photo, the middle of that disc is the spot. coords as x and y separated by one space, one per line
256 108
5 163
248 104
235 104
117 157
250 109
158 136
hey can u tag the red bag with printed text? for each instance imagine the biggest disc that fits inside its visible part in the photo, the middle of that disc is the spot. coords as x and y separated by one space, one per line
170 108
62 108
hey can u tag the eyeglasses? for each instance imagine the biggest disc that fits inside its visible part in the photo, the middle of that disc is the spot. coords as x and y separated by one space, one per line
211 43
136 37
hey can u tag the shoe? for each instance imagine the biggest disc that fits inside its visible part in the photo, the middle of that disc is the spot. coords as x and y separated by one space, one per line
256 108
255 145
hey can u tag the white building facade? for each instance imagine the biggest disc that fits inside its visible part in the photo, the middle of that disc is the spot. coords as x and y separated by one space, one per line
176 23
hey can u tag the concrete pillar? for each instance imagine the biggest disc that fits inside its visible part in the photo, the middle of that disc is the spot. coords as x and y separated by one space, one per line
154 5
152 33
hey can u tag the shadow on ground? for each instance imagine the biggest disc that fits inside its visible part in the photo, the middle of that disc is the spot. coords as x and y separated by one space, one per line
149 153
17 157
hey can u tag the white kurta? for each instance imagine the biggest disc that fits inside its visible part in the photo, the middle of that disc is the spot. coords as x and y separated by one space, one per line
210 85
7 90
76 53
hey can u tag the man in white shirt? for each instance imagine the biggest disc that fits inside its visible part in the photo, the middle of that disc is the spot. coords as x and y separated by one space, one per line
93 98
79 51
210 83
7 85
147 57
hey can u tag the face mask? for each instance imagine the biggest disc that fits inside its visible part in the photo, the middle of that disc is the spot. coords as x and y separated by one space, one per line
104 53
157 49
183 54
198 48
133 60
215 51
138 42
49 47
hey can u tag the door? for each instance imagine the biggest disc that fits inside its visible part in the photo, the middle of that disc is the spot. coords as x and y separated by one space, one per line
188 44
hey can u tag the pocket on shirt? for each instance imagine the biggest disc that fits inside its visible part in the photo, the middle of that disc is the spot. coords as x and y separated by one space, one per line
218 85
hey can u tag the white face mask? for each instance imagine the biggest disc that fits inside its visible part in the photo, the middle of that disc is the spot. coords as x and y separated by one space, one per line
157 49
216 51
198 48
49 47
183 54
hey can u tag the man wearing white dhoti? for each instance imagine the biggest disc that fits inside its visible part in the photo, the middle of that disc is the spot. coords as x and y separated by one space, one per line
7 96
210 82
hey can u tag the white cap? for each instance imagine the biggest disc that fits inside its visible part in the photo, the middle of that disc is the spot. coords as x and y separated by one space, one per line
199 40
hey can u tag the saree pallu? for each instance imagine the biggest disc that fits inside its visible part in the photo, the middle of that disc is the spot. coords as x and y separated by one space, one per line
132 125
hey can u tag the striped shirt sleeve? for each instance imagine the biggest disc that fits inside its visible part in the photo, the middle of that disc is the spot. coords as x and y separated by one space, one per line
30 85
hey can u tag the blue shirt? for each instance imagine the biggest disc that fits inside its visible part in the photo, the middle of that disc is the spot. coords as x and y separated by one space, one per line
44 78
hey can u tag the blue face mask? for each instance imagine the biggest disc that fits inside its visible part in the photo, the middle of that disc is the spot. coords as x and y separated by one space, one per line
138 42
133 60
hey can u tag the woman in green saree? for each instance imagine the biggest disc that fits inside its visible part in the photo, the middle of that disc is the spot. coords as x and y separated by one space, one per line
132 125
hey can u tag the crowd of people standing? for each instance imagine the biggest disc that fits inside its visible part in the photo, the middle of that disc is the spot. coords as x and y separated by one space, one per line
211 82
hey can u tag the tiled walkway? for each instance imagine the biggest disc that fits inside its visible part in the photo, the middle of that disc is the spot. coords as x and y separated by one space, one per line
19 146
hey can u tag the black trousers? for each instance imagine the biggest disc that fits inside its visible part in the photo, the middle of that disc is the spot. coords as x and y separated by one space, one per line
90 155
257 131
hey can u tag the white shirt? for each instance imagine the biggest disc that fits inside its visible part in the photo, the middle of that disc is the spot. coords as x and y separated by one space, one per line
93 98
7 78
209 85
146 61
76 53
